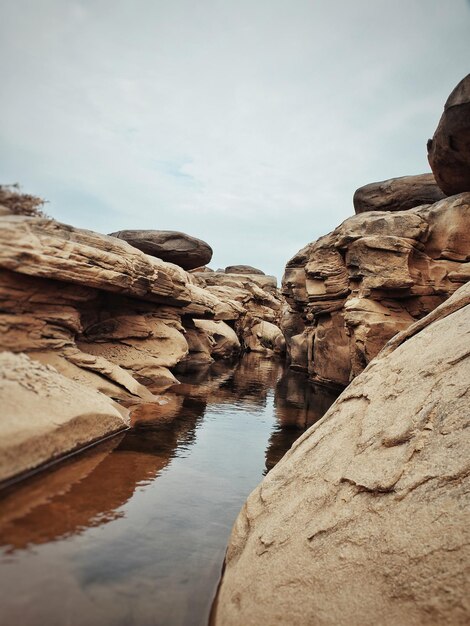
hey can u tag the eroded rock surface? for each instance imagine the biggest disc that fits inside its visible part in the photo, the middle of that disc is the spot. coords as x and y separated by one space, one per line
350 291
170 246
397 194
449 149
252 304
45 415
365 519
109 317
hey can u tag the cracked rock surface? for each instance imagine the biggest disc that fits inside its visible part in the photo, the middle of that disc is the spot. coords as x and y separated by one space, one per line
365 520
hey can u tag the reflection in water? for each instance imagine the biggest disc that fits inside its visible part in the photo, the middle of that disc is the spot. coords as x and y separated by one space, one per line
298 405
133 531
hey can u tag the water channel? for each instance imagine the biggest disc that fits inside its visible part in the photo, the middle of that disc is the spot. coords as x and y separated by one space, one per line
133 531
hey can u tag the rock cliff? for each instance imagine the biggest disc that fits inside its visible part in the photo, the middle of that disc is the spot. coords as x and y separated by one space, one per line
364 521
353 289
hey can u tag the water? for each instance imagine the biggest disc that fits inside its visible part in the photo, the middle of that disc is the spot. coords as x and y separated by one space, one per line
134 531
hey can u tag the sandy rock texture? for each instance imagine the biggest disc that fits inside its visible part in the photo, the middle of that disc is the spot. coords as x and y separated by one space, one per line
365 520
170 246
252 306
397 194
45 415
109 317
449 149
350 291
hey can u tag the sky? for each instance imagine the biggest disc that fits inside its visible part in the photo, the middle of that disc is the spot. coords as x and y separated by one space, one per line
246 123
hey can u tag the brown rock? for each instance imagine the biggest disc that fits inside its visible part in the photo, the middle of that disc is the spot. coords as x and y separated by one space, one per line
222 339
364 521
253 303
397 194
170 246
242 269
265 337
45 415
449 149
350 291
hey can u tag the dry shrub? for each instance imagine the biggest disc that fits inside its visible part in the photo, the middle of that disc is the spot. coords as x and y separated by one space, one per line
21 203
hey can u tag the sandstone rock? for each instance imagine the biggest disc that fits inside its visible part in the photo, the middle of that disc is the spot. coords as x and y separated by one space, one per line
243 269
449 149
253 303
350 291
45 415
48 249
265 337
397 194
238 280
61 287
222 340
364 521
170 246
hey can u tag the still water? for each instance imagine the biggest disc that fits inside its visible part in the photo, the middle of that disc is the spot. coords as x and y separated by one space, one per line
134 531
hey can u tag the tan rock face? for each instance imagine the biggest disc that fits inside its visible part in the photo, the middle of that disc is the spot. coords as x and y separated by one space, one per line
449 149
398 194
170 246
365 520
350 291
45 415
252 303
110 313
113 319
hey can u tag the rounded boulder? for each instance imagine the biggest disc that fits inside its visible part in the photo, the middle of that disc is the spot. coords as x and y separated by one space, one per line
170 246
449 149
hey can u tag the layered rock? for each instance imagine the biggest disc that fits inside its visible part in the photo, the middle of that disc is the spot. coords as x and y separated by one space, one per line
170 246
45 415
364 520
114 319
449 149
253 306
353 289
397 194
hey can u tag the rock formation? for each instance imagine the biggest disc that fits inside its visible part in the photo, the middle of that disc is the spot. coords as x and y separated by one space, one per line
256 306
365 519
45 415
170 246
449 149
242 269
116 320
397 194
353 289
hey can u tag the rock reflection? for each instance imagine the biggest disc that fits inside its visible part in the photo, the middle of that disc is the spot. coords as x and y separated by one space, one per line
89 489
298 404
139 524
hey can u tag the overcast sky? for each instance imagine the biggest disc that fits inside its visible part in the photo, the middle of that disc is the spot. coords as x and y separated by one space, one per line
247 123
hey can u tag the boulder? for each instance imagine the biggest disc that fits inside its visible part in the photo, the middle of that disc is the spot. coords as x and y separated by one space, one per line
449 149
365 519
45 415
397 194
242 269
170 246
350 291
222 340
265 337
253 303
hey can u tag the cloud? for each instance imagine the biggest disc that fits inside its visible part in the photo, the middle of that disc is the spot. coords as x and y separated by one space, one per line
248 124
